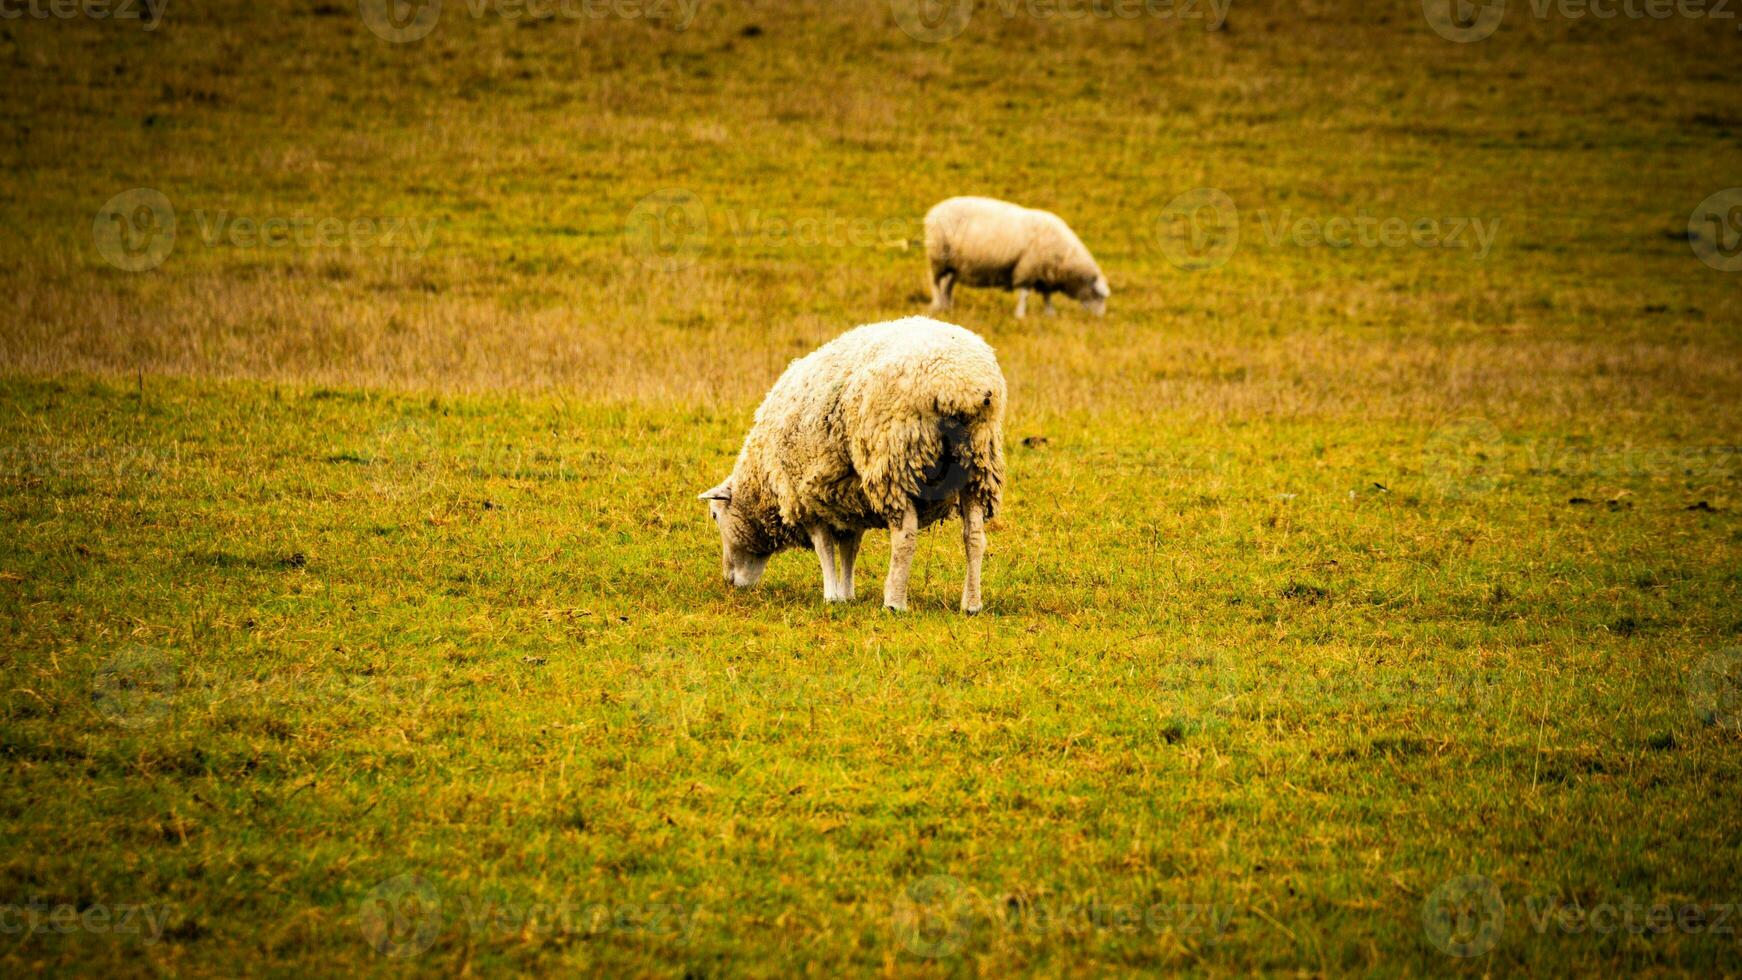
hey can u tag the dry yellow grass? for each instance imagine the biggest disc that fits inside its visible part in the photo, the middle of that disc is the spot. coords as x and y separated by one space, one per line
526 149
718 337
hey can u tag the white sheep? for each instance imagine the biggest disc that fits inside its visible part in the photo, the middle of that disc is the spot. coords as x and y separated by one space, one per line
977 241
891 425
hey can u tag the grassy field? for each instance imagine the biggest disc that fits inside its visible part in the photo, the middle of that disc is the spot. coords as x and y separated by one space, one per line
1368 606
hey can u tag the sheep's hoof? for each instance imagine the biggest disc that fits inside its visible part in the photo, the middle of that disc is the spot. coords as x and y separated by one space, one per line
894 609
975 611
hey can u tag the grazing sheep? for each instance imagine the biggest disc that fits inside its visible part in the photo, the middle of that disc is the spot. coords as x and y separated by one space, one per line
976 241
893 425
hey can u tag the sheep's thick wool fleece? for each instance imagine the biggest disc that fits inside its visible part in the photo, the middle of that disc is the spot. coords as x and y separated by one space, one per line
853 432
1003 245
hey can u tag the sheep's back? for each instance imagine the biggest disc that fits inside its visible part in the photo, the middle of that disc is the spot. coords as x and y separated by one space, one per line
848 430
982 239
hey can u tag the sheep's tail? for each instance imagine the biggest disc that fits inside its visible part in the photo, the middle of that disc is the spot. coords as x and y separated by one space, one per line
932 434
965 457
937 247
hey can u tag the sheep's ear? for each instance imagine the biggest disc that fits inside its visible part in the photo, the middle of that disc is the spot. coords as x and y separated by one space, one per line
721 492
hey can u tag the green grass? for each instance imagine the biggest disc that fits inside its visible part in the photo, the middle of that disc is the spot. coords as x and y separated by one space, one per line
338 581
493 654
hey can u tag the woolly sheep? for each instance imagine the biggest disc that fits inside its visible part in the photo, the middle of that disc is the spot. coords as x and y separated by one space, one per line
892 425
977 241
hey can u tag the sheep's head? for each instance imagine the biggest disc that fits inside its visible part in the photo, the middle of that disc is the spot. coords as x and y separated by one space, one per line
741 565
1093 295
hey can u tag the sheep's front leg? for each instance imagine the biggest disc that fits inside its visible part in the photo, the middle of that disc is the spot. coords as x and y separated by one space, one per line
849 545
903 535
823 540
1050 309
974 545
1021 303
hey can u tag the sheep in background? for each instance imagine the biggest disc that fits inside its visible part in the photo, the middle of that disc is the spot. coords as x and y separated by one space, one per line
893 425
977 241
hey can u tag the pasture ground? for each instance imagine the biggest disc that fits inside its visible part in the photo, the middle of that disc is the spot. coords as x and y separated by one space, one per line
1353 608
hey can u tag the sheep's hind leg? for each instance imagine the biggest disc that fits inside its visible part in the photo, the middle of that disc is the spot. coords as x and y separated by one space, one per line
903 535
823 540
1021 303
848 543
974 545
943 286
